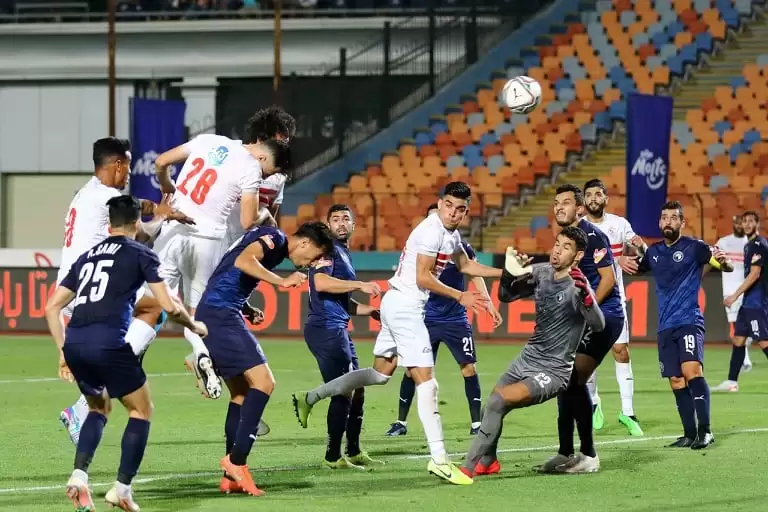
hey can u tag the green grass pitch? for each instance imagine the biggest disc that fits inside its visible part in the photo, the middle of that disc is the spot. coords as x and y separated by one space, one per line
180 469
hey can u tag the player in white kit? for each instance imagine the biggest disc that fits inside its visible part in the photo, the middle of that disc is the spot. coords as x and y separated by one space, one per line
620 234
733 246
404 339
86 224
216 172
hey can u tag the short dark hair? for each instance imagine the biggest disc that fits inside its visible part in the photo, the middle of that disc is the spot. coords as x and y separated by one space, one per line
318 233
674 205
338 208
123 210
268 123
570 187
108 148
577 235
751 213
457 189
281 152
431 207
595 183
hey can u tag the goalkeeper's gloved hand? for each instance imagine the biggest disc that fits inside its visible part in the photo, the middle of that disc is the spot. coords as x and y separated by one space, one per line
516 264
580 281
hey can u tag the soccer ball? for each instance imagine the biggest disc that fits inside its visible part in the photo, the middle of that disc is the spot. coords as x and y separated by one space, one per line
522 94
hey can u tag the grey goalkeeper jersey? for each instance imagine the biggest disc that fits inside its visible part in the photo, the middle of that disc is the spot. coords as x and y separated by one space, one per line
561 319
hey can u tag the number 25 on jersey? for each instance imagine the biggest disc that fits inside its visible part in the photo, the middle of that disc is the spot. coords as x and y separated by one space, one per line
199 181
97 277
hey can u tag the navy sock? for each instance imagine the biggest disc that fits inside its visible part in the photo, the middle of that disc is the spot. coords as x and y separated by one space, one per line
737 359
407 390
231 424
700 393
355 423
132 449
565 425
581 407
90 437
472 390
686 411
250 416
338 410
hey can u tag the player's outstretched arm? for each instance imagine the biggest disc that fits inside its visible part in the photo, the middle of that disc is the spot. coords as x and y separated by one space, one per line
162 162
249 262
513 288
329 284
471 267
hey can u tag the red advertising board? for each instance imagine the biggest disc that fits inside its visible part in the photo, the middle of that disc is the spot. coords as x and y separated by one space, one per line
23 293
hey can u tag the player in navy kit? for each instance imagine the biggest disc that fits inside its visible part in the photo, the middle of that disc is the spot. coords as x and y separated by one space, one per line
575 404
752 320
447 322
678 264
103 282
331 282
233 348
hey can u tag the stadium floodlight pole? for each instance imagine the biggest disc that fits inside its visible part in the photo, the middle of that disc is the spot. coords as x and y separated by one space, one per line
111 79
278 39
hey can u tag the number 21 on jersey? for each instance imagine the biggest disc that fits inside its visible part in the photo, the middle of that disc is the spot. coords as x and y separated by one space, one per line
199 181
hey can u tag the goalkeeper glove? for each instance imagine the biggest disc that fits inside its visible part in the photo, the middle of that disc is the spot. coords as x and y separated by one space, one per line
580 281
515 265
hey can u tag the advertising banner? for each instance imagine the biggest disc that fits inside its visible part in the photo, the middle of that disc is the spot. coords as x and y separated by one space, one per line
23 294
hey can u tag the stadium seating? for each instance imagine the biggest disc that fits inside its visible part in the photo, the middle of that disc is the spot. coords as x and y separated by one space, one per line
586 68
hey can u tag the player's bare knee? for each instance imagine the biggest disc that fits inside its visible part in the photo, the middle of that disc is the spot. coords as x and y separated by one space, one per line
421 375
621 352
677 383
763 344
692 370
739 341
385 366
468 369
261 378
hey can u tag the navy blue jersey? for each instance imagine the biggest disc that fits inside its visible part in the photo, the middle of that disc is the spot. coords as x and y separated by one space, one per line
228 287
678 270
445 309
755 254
105 280
599 255
331 310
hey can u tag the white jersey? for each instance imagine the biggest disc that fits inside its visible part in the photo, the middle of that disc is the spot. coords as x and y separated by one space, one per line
214 176
619 232
86 223
270 194
430 238
734 249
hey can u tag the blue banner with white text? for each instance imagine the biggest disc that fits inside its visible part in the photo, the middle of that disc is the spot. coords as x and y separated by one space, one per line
156 126
649 127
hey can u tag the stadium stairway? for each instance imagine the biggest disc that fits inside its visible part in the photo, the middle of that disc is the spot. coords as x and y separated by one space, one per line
689 93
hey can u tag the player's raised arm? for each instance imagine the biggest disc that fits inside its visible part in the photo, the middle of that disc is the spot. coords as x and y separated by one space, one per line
163 161
249 261
585 301
517 280
471 267
324 282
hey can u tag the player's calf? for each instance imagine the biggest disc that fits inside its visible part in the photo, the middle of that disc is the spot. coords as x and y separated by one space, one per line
472 392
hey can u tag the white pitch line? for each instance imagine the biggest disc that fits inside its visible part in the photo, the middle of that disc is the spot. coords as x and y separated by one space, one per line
33 380
205 474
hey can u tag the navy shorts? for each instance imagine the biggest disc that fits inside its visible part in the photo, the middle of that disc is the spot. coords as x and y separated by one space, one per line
97 366
597 344
457 337
234 349
333 349
680 345
751 323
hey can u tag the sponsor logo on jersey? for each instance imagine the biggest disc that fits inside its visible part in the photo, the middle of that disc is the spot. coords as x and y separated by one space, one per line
218 155
599 254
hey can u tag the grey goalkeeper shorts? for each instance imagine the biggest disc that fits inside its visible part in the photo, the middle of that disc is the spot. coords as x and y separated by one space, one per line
542 385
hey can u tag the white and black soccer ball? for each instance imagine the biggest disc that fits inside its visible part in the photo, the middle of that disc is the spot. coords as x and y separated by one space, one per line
522 94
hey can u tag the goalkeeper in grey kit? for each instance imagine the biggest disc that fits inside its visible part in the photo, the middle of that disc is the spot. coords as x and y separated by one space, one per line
565 306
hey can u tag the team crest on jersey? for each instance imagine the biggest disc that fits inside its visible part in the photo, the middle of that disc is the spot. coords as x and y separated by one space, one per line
560 297
324 262
218 155
677 257
268 240
600 254
755 258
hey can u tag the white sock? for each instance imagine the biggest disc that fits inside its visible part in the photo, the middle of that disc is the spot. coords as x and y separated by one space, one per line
747 360
198 347
626 387
140 334
80 476
426 402
592 387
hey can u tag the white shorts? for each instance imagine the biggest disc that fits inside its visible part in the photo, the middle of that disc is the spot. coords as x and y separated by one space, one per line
624 336
403 333
67 310
733 311
187 260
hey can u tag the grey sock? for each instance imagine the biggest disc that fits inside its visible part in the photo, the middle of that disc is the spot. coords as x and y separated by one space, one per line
487 438
346 384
